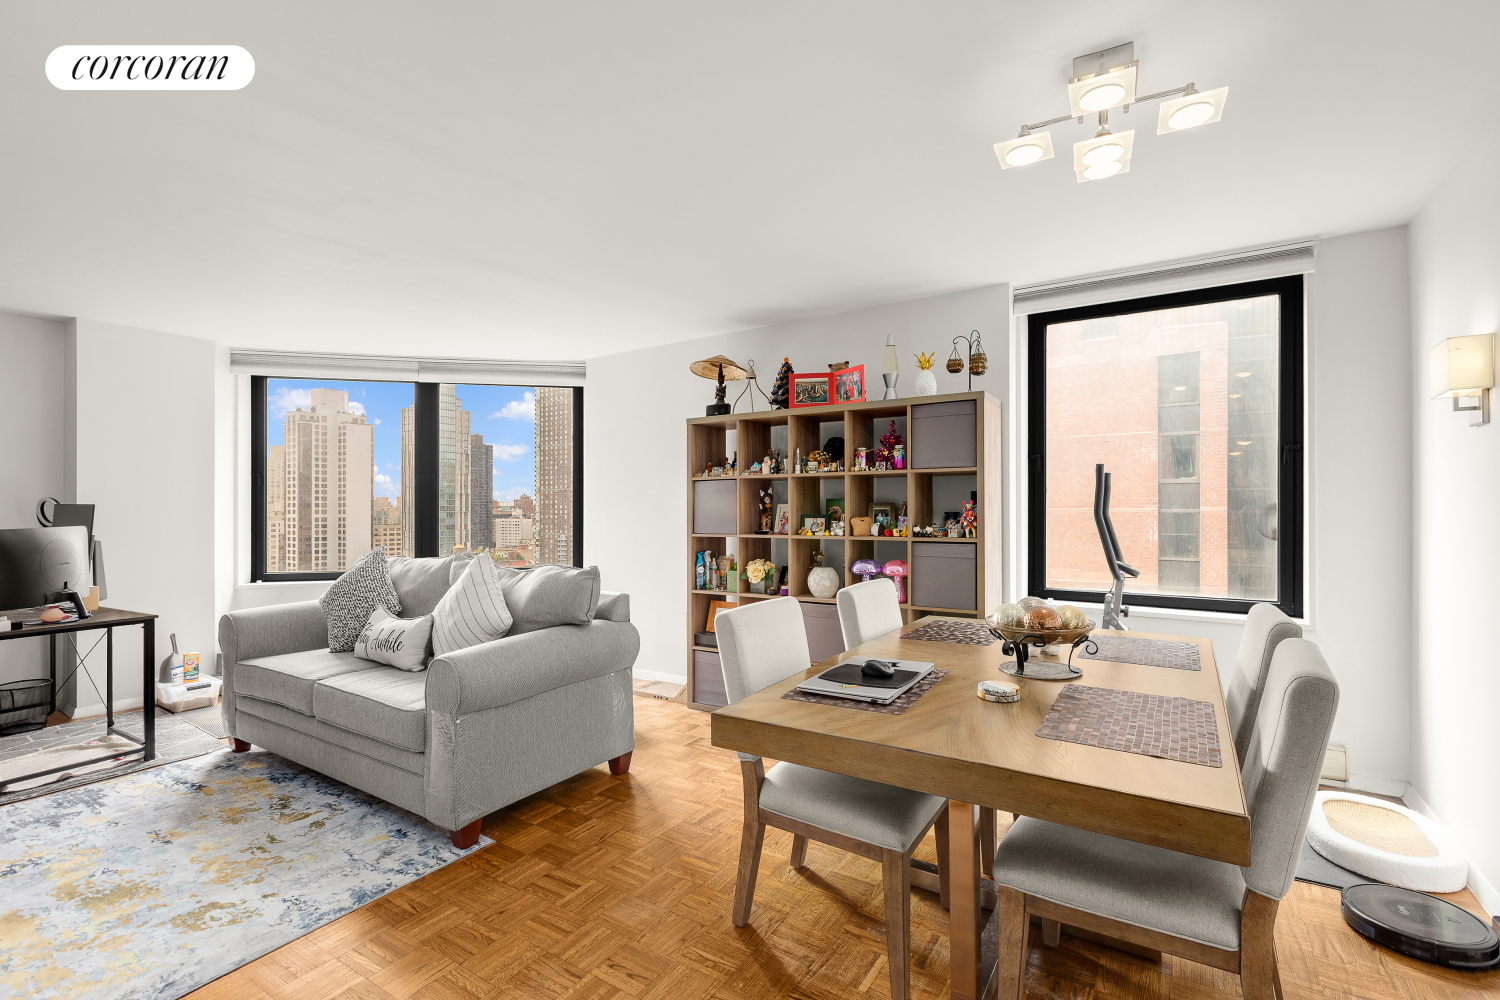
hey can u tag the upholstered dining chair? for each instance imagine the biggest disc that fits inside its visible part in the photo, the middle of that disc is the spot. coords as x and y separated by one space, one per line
1205 911
1265 629
867 610
765 642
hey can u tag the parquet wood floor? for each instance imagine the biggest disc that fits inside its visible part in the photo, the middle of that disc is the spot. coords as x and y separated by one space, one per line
608 888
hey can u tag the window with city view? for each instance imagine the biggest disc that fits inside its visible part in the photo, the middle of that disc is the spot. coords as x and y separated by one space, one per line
340 470
1191 402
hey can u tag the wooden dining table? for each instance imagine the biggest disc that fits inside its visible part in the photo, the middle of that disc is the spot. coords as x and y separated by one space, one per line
984 755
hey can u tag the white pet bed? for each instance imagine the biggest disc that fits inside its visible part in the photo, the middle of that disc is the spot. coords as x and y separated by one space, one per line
1387 842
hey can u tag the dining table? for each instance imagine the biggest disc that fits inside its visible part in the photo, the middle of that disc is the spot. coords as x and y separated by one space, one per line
985 756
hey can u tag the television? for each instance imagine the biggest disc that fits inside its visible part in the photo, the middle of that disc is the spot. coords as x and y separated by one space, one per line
38 564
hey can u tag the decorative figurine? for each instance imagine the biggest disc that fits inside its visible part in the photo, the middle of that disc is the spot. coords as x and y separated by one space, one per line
765 511
861 459
898 457
866 568
817 557
720 368
836 529
969 521
926 381
896 570
781 389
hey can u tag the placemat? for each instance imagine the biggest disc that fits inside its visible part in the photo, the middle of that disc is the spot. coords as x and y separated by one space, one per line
897 707
1151 724
1150 652
969 633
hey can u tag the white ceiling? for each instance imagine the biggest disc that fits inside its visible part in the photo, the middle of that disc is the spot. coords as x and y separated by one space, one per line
563 180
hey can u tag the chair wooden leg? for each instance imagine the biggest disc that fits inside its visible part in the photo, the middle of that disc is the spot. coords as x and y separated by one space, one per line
940 831
238 745
752 836
465 838
1260 979
1013 925
1051 933
897 880
799 851
620 764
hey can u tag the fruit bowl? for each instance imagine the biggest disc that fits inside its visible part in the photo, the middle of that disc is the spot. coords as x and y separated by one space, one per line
1039 636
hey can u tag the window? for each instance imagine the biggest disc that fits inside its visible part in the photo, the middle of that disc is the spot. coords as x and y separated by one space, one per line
1193 403
422 469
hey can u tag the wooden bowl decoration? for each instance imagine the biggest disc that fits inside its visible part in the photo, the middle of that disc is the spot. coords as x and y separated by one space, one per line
1033 636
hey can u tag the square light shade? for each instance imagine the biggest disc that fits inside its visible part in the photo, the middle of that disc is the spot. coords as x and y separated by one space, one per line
1027 149
1191 111
1102 91
1462 366
1103 156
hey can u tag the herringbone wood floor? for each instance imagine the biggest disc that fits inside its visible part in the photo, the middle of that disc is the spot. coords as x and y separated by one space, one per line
609 888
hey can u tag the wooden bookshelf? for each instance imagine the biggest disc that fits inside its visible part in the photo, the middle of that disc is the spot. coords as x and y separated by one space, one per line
929 493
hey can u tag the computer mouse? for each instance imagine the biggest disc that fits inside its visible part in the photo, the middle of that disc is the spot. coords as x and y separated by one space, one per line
878 668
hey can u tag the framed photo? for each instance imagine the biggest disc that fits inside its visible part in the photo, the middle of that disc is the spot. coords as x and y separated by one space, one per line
849 385
834 509
883 513
783 523
714 607
814 524
811 389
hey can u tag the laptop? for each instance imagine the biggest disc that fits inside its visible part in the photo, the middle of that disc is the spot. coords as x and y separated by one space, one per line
846 680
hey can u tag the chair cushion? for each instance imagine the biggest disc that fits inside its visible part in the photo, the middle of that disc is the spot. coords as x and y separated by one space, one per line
547 596
386 704
867 811
348 603
420 583
289 679
1177 894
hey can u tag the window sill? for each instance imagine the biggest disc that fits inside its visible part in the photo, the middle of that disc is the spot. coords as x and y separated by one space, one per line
1176 614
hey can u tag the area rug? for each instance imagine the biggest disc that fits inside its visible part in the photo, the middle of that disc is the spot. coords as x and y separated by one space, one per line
175 740
157 882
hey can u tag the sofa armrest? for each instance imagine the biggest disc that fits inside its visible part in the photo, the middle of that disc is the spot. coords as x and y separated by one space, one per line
271 631
493 674
613 607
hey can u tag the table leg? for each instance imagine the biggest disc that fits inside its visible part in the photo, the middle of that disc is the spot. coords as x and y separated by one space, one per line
109 679
963 895
148 685
52 671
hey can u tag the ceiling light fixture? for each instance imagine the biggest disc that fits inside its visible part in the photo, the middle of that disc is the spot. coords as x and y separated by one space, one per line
1242 374
1102 81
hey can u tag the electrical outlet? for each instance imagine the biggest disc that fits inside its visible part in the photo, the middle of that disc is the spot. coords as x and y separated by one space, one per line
1336 763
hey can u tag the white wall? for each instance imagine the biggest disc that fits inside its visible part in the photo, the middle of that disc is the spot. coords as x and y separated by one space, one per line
635 461
1455 690
31 423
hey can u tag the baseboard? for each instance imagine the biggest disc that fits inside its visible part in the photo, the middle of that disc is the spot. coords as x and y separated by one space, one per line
97 709
658 675
1482 888
1370 783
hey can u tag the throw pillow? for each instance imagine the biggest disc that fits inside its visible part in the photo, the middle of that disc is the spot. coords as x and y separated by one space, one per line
399 642
348 603
547 596
472 611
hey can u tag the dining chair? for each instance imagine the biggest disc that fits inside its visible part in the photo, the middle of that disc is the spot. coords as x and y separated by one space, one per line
868 610
765 642
1206 911
1265 629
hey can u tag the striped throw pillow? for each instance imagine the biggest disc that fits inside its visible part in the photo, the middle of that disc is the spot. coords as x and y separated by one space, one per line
472 611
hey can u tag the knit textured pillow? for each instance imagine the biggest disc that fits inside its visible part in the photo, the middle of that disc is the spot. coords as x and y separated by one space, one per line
472 611
348 603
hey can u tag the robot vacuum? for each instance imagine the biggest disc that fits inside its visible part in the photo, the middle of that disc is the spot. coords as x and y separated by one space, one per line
1421 926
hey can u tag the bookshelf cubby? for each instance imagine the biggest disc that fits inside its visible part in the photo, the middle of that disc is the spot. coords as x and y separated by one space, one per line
960 436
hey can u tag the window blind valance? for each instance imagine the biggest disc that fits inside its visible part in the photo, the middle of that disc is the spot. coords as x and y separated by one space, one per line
1276 261
301 364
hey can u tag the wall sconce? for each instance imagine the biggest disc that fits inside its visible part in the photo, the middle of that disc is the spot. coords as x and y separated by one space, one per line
1463 368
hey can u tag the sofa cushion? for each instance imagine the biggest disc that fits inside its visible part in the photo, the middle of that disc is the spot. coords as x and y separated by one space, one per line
384 703
420 583
348 603
289 679
547 596
473 611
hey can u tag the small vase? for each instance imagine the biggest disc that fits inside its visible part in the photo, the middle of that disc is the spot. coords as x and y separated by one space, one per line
925 383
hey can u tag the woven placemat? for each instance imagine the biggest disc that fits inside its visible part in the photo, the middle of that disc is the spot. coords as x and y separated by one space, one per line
1150 652
968 633
897 707
1150 724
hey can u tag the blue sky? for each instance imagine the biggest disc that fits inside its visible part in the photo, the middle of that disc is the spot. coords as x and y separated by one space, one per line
504 414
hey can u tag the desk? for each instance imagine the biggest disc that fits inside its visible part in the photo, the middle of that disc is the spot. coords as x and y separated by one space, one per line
979 754
108 619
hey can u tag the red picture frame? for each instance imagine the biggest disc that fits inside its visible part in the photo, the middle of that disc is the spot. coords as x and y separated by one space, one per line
849 384
810 389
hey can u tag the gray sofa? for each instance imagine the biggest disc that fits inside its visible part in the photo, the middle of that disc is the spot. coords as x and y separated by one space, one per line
477 730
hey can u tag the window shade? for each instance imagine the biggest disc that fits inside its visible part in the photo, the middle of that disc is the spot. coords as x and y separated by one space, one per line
298 364
1277 261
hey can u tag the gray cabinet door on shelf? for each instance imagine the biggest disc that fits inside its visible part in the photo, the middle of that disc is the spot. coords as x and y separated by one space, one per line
943 435
942 575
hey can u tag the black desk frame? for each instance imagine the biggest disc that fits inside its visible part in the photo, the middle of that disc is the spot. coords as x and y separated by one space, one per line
108 619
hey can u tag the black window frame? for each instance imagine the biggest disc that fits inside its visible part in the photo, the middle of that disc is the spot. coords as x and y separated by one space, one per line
424 504
1290 499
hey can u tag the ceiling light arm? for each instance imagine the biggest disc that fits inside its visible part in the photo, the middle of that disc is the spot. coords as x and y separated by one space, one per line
1187 91
1026 129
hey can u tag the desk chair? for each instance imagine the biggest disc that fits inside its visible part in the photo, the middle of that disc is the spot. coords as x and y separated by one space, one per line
1265 628
868 610
762 643
1206 911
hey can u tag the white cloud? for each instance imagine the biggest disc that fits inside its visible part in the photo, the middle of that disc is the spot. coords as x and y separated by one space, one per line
511 492
509 452
384 486
286 399
518 409
374 420
357 409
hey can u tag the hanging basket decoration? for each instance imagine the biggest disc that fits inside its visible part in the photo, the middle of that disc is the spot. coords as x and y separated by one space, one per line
955 363
978 362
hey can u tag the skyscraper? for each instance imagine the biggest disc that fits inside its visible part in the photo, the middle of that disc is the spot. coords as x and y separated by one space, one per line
275 507
554 474
386 527
526 505
328 483
465 478
481 493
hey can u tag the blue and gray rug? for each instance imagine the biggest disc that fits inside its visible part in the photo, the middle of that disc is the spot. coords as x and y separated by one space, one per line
160 881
